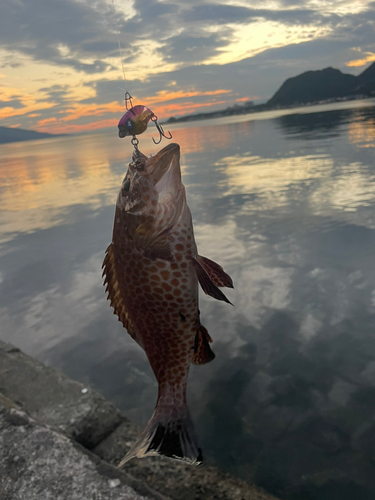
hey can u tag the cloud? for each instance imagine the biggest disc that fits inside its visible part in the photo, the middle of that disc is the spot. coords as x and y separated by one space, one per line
59 32
226 14
194 48
15 104
82 34
56 92
361 62
191 50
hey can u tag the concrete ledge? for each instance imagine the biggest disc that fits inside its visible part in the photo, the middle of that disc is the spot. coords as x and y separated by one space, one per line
54 399
36 462
49 424
174 479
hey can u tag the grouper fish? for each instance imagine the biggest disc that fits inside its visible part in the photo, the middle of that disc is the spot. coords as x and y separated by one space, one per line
152 269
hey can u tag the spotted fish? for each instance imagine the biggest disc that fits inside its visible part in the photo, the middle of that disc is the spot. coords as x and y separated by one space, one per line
152 270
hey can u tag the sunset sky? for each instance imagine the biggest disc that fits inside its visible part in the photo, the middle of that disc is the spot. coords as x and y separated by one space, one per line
60 68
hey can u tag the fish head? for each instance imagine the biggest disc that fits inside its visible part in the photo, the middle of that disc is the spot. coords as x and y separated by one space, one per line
134 121
152 181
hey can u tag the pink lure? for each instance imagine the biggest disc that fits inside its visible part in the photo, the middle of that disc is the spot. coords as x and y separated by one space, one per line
134 121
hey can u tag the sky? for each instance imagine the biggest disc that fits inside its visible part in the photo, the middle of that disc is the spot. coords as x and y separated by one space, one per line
61 71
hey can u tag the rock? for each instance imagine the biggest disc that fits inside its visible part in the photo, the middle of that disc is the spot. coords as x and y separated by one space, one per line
173 479
38 462
54 399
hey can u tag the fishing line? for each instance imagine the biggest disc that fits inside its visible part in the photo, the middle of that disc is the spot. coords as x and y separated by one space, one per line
120 50
135 120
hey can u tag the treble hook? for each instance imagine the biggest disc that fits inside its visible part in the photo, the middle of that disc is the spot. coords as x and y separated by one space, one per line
154 119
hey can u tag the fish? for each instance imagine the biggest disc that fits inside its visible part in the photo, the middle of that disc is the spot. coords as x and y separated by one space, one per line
151 271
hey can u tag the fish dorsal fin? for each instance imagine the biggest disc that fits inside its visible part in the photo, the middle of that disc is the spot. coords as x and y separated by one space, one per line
114 292
208 286
202 350
217 274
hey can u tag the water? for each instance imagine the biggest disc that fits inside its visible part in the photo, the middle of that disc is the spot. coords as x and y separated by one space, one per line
287 206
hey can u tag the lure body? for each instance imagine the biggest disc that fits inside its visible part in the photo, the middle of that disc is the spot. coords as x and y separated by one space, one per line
135 121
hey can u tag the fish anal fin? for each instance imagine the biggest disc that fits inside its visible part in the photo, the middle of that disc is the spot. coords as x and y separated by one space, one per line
202 350
114 292
217 274
208 286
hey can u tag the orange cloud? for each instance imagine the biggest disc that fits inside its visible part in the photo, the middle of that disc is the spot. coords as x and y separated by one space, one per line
47 121
9 112
182 109
361 62
164 103
59 126
79 110
64 128
160 104
165 95
28 101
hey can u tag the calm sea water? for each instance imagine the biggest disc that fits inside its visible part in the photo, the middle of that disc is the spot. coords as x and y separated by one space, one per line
287 206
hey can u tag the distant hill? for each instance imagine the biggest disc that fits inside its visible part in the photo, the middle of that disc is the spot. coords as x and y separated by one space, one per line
8 134
322 85
308 88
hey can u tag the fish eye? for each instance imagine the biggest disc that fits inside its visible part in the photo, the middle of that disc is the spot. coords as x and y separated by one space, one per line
129 123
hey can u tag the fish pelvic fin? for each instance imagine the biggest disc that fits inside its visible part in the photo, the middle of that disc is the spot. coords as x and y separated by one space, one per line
202 350
174 439
217 274
208 285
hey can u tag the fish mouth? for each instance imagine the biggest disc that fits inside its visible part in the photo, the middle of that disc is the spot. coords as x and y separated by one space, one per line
166 154
164 168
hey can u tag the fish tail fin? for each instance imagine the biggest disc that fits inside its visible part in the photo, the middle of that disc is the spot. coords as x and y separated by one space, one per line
174 438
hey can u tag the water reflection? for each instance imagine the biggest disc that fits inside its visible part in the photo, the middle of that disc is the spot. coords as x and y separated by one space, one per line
315 125
287 205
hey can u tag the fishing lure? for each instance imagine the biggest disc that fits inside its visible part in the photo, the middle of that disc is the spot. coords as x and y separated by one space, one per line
135 120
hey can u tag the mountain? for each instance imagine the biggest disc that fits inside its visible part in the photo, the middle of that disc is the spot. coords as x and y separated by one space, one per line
325 84
310 87
368 75
8 134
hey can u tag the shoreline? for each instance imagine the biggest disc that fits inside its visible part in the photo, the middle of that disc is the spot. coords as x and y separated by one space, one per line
258 108
64 439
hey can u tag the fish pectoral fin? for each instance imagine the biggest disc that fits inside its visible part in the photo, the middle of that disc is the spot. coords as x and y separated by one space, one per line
152 245
217 274
208 286
157 248
202 350
158 252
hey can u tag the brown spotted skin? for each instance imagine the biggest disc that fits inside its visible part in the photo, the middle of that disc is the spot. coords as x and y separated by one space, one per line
162 300
156 298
